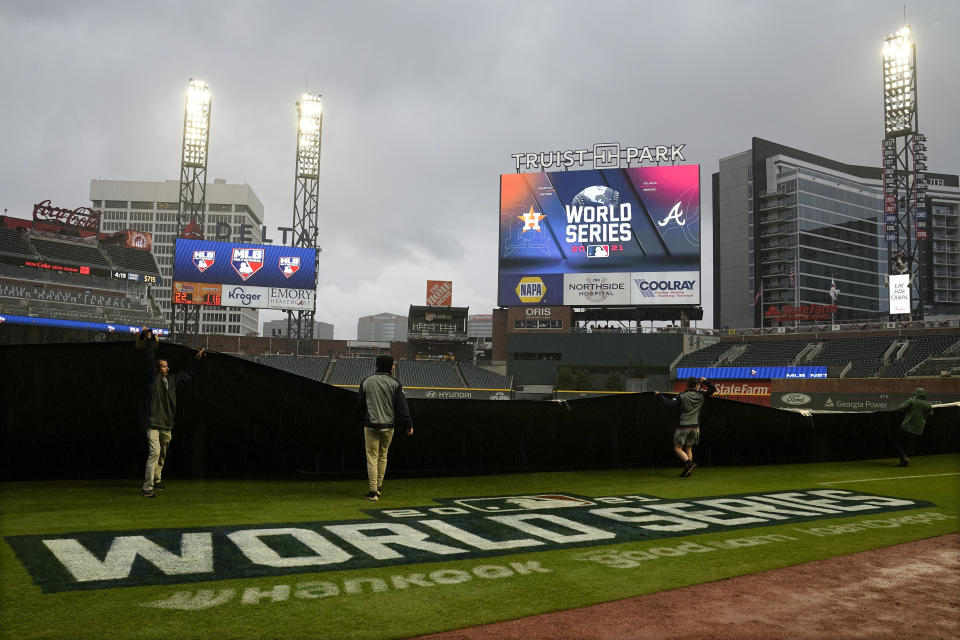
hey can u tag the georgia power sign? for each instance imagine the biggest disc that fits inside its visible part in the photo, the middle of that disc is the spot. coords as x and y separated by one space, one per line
462 528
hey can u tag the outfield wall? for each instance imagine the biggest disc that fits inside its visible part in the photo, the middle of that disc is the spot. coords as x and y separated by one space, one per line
69 411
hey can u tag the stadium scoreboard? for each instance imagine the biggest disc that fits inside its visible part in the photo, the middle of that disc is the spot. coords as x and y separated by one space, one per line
214 274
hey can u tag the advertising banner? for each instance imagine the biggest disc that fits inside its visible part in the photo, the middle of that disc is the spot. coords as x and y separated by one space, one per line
292 299
665 287
238 264
900 293
596 289
252 297
439 293
751 373
600 222
519 290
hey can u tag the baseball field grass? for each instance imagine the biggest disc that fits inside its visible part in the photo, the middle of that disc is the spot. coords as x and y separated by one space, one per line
312 559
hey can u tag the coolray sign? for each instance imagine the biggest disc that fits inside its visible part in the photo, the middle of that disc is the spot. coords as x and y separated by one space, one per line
668 287
454 530
607 155
610 223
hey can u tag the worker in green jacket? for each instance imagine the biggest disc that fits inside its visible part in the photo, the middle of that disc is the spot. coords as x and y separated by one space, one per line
917 410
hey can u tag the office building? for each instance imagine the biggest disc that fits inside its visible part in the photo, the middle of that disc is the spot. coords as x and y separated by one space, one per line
796 233
383 327
278 329
233 214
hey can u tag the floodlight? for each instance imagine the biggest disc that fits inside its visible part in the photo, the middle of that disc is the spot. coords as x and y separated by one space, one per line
899 83
196 124
309 124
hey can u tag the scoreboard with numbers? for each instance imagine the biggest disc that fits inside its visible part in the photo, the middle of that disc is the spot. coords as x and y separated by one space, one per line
198 293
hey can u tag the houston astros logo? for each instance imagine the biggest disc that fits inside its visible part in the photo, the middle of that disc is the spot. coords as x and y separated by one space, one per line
531 220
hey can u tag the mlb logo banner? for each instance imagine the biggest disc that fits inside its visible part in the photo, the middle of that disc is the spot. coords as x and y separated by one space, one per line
289 265
203 260
246 262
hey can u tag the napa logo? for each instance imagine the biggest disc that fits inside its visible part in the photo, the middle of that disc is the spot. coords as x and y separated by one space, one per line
203 260
246 262
531 289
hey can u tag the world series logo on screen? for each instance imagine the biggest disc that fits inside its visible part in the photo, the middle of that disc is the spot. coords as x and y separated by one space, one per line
246 262
203 260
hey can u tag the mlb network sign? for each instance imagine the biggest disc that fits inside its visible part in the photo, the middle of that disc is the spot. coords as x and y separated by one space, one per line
602 237
456 529
244 265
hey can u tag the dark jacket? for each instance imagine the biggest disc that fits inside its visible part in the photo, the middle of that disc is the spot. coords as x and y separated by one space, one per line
158 403
916 412
690 401
383 403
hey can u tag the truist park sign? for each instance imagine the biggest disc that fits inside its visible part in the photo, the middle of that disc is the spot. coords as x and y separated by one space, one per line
607 155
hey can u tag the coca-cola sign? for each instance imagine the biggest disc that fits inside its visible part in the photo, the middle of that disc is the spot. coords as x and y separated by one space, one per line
83 218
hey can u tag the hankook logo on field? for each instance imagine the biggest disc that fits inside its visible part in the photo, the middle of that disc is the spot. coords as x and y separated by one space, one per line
456 529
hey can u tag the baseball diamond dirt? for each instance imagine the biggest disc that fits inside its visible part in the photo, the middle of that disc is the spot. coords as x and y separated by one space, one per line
910 590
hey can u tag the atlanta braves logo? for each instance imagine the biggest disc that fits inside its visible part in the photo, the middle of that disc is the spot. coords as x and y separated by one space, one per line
203 260
246 262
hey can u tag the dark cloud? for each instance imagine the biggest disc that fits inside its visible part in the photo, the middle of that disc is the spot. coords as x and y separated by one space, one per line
426 100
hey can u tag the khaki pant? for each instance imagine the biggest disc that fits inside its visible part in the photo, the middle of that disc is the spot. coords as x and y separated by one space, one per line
377 443
157 440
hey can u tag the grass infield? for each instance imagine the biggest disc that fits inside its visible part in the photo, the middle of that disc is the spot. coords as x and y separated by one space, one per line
399 599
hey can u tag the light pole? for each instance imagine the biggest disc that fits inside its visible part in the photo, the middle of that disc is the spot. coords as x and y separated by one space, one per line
904 164
305 197
193 186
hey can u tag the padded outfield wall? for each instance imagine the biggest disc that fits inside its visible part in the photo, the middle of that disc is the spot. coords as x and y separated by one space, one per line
69 411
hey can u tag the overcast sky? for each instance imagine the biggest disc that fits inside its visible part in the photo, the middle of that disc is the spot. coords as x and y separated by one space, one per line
425 101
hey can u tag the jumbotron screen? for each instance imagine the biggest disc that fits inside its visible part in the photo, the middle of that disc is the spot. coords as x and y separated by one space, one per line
235 274
602 237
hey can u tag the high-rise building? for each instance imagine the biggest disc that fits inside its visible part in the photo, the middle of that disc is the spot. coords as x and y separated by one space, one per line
279 329
382 327
233 213
793 230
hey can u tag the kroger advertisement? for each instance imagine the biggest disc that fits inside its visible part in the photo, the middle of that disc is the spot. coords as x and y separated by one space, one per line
600 237
244 275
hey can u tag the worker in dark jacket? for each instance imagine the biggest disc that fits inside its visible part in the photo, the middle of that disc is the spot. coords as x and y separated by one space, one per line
916 411
687 433
384 406
158 407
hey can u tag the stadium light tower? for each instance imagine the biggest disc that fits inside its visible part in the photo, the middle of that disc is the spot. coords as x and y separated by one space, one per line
904 165
193 186
305 196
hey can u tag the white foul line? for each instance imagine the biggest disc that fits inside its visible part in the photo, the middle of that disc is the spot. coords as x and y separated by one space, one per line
933 475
